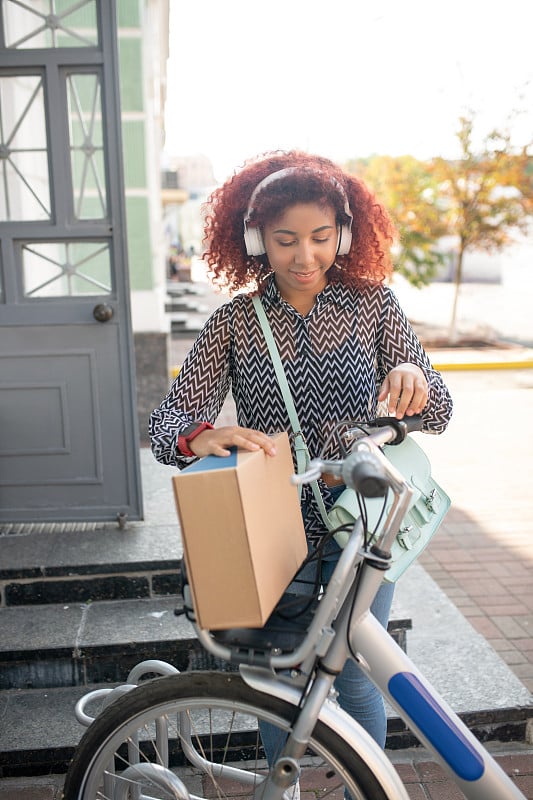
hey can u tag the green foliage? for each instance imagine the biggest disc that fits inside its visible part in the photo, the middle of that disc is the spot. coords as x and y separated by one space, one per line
479 199
408 190
487 193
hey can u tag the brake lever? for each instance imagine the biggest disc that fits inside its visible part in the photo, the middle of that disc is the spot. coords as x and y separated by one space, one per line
315 469
311 474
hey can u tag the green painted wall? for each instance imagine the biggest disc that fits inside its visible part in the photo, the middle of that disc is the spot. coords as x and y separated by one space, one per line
133 140
139 245
131 75
129 16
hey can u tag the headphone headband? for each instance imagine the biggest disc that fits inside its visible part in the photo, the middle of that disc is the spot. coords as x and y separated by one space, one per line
252 235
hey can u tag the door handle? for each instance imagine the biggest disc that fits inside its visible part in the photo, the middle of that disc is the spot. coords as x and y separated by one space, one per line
102 312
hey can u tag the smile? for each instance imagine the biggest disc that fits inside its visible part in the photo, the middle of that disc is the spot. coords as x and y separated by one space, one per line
304 275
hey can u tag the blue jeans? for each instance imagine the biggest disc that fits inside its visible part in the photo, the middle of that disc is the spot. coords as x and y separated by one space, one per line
357 694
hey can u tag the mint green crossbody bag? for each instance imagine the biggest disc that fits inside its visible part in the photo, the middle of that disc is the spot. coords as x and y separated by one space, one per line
429 502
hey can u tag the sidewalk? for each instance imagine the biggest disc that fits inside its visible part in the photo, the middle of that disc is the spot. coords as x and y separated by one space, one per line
482 557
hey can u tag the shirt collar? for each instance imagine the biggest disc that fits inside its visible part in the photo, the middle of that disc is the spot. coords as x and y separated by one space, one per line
335 292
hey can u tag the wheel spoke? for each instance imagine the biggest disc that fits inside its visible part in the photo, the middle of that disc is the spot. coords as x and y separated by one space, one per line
184 737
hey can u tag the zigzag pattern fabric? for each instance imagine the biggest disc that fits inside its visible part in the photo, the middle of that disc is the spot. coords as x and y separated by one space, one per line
335 359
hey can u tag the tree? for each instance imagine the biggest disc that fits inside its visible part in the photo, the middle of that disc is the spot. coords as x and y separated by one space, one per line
487 196
409 191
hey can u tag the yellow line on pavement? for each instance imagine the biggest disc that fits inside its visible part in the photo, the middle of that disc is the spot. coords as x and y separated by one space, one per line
475 365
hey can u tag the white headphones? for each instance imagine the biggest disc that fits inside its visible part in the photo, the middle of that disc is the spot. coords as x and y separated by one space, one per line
253 238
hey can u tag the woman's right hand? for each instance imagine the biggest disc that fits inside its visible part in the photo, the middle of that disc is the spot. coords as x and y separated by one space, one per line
217 441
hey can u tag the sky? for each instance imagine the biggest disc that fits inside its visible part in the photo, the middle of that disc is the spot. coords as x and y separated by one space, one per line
342 78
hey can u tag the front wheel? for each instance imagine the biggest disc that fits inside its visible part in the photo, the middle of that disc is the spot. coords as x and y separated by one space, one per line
195 735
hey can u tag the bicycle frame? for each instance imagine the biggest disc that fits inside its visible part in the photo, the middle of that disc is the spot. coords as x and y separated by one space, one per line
343 627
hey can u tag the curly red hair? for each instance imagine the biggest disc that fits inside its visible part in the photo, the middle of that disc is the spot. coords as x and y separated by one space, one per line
368 260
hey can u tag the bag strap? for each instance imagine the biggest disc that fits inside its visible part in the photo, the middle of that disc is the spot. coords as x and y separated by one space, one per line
302 454
300 446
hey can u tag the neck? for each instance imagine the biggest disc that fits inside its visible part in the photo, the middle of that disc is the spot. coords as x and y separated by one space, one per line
301 300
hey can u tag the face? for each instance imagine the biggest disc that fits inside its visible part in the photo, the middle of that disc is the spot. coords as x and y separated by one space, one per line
301 245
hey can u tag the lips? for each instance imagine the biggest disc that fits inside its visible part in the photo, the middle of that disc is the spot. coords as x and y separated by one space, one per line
304 274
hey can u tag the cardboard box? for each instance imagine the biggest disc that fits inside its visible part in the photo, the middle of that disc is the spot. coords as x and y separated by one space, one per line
243 534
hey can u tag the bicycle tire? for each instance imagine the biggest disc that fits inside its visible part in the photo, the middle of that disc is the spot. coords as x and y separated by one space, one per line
331 760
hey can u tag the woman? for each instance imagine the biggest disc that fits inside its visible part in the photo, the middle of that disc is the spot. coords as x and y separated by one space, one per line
314 242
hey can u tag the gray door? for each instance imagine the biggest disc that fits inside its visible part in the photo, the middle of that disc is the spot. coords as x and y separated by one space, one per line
68 438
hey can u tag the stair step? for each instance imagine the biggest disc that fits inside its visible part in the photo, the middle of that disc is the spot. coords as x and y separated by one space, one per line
76 644
106 563
39 730
183 307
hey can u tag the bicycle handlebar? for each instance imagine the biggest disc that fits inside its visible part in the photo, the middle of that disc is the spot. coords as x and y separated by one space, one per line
361 469
402 426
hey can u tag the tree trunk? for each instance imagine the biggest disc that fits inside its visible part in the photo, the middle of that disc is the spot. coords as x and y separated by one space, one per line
452 333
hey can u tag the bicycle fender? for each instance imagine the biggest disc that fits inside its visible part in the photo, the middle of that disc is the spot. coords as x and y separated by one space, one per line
333 716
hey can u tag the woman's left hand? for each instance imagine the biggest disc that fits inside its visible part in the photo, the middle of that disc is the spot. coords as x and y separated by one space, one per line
407 390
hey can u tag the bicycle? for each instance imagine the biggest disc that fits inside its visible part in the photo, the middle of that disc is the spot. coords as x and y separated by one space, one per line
196 734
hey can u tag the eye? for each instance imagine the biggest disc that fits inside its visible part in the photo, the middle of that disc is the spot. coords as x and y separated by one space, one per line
285 243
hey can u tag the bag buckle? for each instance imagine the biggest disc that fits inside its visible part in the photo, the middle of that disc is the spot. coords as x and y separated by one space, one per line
403 538
432 501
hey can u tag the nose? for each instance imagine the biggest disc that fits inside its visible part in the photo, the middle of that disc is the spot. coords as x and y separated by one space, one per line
304 254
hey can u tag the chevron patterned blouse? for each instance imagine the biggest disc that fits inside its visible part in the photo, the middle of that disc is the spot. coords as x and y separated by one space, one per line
335 359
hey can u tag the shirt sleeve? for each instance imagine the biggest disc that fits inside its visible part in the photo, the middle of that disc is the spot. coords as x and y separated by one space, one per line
198 392
398 343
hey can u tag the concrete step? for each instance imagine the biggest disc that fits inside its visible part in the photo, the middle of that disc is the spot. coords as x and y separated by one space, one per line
76 644
185 325
57 645
181 306
65 564
39 730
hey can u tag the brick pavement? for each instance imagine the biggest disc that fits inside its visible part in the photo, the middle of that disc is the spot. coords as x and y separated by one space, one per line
422 777
482 556
485 576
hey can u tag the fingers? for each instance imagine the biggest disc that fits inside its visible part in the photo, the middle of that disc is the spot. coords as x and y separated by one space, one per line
217 442
407 390
248 439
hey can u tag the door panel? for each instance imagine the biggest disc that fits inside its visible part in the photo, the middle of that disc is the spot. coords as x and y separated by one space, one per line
69 445
62 435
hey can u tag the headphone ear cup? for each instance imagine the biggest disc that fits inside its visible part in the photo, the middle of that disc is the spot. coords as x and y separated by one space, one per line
253 241
345 240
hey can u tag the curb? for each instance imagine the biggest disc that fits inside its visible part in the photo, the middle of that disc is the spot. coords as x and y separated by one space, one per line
481 358
448 366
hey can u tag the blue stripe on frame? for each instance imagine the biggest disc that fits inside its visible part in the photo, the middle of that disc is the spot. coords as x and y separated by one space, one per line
437 726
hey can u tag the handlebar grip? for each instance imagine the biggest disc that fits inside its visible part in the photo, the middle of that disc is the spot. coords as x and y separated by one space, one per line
401 426
413 423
